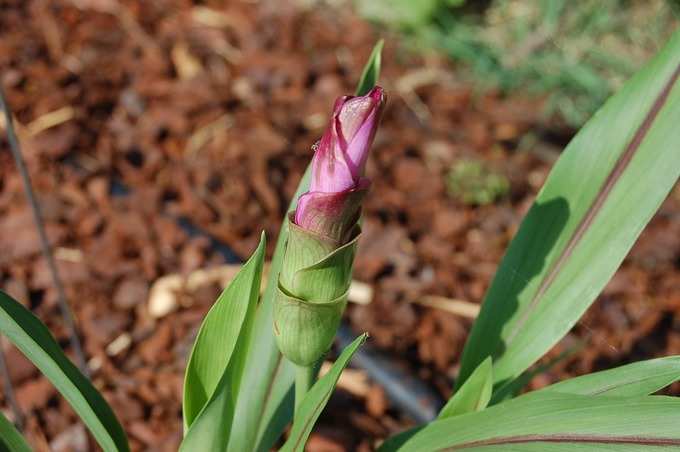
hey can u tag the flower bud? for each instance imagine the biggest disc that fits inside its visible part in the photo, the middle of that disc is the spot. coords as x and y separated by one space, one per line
332 205
323 233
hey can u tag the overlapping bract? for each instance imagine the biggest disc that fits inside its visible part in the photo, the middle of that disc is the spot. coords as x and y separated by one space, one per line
317 268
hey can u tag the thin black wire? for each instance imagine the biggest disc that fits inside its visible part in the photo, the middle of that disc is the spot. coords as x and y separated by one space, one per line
9 391
44 242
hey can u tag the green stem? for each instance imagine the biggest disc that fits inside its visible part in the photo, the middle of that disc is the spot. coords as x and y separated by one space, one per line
304 379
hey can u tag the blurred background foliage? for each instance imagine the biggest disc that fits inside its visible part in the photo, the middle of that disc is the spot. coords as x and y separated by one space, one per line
571 54
474 183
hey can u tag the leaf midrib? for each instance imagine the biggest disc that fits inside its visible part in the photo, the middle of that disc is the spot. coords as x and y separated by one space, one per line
568 438
610 182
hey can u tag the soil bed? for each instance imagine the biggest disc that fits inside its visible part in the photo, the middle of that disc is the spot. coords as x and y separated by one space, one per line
210 114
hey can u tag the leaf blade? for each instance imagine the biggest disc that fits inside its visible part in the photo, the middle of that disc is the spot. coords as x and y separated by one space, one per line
35 341
371 73
264 363
10 438
553 422
317 397
474 395
229 322
603 190
636 379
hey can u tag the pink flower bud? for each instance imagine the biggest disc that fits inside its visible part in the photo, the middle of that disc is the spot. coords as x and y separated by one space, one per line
332 204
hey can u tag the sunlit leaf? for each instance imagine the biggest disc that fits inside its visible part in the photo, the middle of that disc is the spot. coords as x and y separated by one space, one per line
215 369
636 379
553 422
371 73
601 193
514 387
316 399
474 395
34 340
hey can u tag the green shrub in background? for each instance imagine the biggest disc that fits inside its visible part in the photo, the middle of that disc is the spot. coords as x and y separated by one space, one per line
471 182
574 54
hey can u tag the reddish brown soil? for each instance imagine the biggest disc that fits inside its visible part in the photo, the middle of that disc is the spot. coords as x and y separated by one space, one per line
143 80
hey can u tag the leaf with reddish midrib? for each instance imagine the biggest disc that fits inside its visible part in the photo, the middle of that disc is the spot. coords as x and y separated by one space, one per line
599 196
553 422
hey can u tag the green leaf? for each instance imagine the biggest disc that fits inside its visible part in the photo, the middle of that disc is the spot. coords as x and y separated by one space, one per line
553 422
10 438
371 73
513 387
215 368
34 340
265 405
599 196
262 412
474 395
316 399
636 379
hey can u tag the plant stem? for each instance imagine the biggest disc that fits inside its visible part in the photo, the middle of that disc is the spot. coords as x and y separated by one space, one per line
304 379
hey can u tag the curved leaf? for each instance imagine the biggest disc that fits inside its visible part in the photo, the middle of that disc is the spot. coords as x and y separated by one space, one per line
636 379
34 340
553 422
316 399
474 395
216 364
599 196
10 438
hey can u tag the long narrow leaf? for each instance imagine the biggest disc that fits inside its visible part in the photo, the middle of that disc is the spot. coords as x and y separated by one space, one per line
218 358
265 405
371 72
34 340
259 409
316 399
637 379
474 395
217 338
599 196
553 423
514 387
10 438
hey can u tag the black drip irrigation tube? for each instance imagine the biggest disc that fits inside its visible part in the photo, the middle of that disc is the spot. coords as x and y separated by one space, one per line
407 393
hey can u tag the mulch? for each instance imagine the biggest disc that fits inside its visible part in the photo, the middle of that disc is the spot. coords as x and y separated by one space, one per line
210 113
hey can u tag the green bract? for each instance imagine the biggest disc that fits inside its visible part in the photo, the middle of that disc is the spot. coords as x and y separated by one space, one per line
312 293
